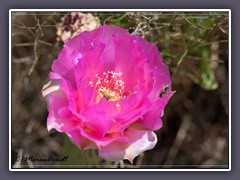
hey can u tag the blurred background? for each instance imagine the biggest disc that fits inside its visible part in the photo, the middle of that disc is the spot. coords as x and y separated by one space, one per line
194 45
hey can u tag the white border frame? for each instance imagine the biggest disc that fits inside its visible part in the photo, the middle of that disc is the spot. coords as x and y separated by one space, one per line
116 10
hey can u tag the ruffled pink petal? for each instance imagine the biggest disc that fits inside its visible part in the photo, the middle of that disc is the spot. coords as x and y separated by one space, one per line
110 50
154 58
115 151
56 119
138 142
152 118
52 92
50 87
138 108
98 122
161 79
90 64
127 61
69 54
141 141
51 122
75 135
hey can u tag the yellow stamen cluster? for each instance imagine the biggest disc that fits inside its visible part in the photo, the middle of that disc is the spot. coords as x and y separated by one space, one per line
109 86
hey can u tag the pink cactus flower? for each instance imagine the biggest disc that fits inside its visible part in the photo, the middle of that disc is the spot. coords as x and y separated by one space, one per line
108 90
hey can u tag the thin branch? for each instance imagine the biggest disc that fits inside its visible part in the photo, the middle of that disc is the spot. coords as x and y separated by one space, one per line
45 43
50 17
39 26
23 44
21 60
31 32
182 57
182 132
35 48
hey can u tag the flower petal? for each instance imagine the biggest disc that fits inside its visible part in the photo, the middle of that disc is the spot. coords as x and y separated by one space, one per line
138 142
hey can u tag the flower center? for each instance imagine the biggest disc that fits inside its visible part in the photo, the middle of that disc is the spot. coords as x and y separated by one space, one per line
109 86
